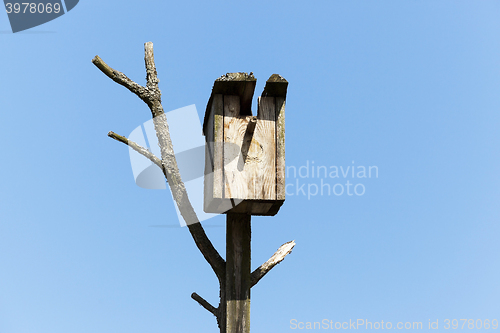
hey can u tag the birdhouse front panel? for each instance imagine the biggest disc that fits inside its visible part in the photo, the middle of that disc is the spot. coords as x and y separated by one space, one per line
249 151
244 163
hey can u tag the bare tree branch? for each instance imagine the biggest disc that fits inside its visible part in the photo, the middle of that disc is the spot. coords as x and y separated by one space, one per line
276 258
151 95
151 74
141 150
210 308
120 78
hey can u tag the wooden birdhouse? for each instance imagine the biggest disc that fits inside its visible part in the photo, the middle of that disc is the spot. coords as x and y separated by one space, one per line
245 154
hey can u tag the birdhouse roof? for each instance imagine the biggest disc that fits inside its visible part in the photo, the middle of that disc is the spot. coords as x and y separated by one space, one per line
243 85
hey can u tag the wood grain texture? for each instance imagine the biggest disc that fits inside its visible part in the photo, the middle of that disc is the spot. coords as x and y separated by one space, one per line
264 179
208 180
238 276
280 149
252 174
238 84
218 144
234 132
213 180
249 173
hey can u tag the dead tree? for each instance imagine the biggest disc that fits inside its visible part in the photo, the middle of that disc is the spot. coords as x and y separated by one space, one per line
235 279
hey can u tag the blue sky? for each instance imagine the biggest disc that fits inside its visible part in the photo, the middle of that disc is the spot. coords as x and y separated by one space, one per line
411 87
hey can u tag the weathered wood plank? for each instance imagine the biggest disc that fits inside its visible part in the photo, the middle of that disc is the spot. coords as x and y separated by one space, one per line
249 174
235 177
264 152
274 208
208 181
213 183
218 145
276 86
280 149
238 84
238 273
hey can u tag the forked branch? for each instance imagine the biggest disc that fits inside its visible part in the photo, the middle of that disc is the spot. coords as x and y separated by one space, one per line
120 78
151 95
